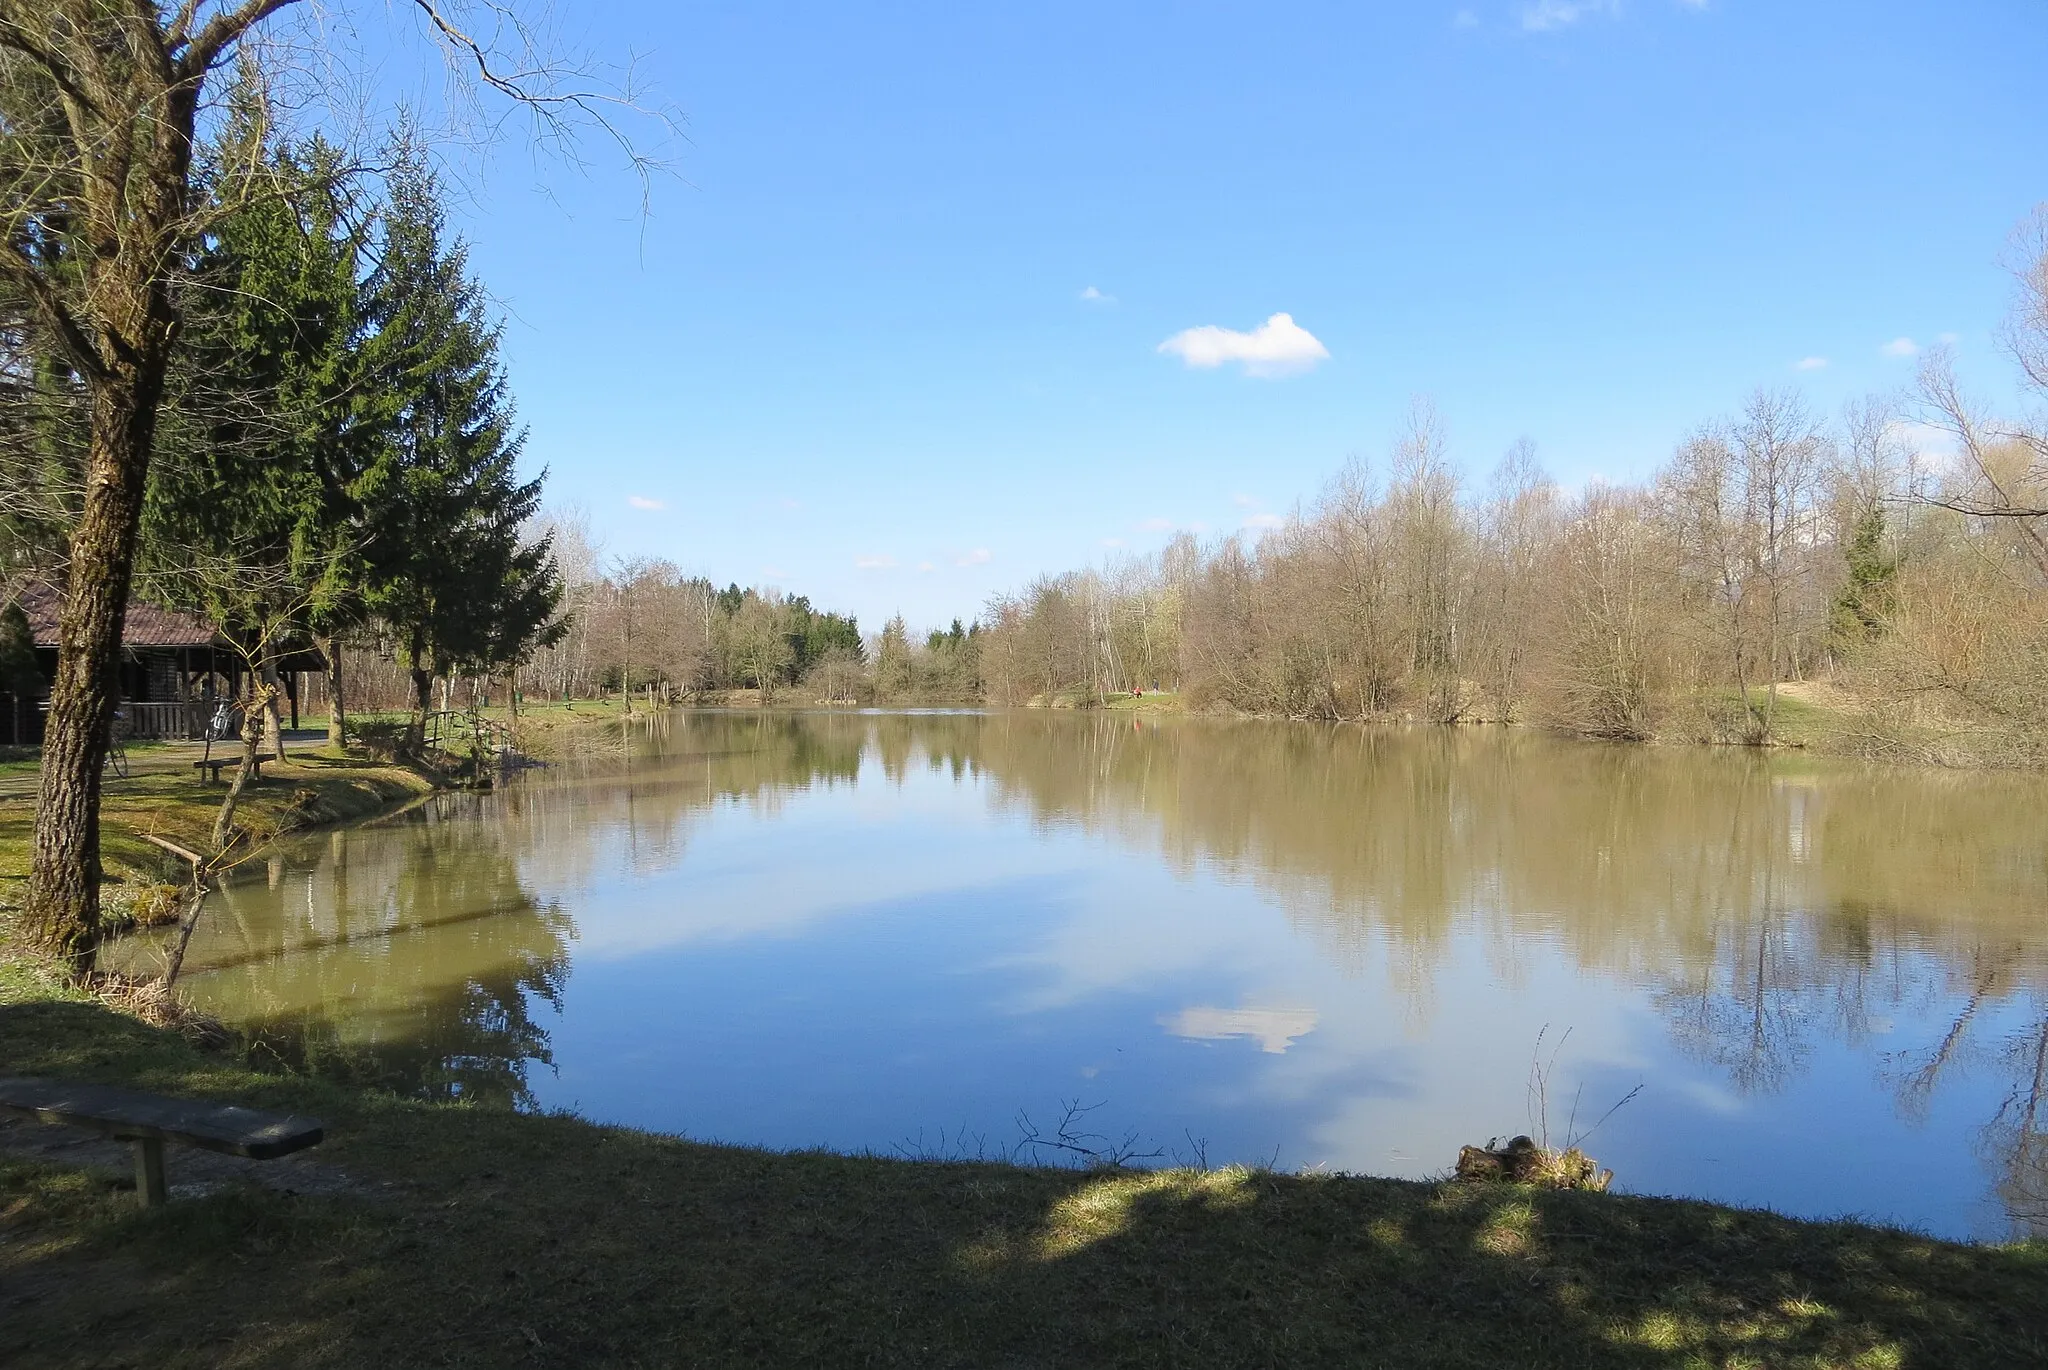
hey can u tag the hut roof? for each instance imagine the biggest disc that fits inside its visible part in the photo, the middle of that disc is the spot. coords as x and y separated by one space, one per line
147 625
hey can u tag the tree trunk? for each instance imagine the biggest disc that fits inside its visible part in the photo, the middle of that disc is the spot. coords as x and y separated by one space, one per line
337 721
256 707
63 899
273 720
422 700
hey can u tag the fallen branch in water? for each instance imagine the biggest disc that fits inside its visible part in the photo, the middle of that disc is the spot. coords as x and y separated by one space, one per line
205 870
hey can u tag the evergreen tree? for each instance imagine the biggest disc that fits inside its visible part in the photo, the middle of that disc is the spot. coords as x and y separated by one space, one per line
248 518
21 675
448 567
1859 611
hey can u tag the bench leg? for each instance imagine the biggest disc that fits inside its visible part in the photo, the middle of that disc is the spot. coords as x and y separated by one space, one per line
149 1170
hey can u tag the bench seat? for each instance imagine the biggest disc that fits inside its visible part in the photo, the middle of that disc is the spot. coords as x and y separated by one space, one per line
150 1120
214 765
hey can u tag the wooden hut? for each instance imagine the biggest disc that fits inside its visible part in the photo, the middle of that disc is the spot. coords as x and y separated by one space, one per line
175 669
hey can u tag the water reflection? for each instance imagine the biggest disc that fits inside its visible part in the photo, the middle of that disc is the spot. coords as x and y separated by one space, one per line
801 927
409 955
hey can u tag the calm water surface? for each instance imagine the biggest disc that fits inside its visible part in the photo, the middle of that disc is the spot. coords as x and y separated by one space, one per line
1325 947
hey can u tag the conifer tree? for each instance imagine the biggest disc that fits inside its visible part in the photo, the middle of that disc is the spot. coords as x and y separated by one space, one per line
248 518
448 565
21 676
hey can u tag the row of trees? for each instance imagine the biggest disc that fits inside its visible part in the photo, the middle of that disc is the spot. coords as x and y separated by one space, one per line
1770 548
643 626
641 630
327 454
341 461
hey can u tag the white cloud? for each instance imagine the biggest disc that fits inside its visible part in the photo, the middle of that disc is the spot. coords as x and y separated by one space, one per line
1265 521
1244 501
1464 19
774 573
646 502
1948 339
1545 15
1155 525
1112 542
1094 296
1277 347
1810 364
874 563
926 568
1274 1029
1901 347
980 556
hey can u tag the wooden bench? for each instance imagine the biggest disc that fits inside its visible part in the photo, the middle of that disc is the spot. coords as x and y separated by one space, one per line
149 1120
213 765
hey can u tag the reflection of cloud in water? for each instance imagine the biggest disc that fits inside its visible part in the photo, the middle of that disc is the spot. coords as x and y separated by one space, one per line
1061 893
1273 1028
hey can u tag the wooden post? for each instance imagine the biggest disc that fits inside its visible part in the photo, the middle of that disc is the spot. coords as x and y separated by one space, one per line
149 1170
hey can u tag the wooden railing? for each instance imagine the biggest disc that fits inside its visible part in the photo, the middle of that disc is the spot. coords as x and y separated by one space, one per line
163 722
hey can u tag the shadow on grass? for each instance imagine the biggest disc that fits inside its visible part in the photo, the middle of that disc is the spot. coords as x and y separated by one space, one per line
520 1239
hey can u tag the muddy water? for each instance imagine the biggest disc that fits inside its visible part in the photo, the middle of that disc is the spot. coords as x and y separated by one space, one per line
936 933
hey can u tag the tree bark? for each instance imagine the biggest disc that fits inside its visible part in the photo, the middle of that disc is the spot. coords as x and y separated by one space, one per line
337 721
252 735
63 903
272 719
422 700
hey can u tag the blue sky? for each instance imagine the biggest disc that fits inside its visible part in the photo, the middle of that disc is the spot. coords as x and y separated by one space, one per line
850 341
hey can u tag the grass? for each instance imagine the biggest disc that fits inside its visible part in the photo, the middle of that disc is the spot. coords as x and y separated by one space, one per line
478 1236
1151 702
541 722
316 788
481 1237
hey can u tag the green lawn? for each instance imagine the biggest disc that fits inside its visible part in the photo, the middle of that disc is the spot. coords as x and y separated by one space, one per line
480 1237
315 788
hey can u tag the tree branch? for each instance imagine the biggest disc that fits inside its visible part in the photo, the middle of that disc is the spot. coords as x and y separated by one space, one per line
221 31
16 266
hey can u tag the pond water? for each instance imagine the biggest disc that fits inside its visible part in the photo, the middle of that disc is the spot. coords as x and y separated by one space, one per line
936 933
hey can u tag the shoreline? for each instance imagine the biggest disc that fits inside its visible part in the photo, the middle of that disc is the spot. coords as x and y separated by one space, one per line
433 1231
424 1231
314 790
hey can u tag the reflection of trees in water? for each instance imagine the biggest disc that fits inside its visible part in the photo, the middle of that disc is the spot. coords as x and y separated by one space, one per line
413 955
1768 906
1767 909
414 964
2016 1142
1753 1010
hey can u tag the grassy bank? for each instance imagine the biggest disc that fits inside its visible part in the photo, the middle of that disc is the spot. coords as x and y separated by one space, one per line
314 789
479 1237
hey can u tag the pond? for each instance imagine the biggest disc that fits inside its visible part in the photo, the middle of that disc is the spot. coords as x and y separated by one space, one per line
1819 987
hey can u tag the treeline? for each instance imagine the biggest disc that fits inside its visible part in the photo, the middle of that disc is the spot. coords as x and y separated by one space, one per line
643 631
642 627
1770 549
336 456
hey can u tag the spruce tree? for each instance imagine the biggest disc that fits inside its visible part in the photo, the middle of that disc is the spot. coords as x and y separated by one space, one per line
248 518
21 675
448 565
1860 611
